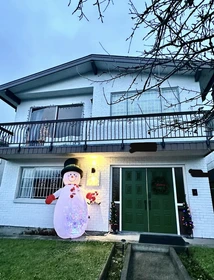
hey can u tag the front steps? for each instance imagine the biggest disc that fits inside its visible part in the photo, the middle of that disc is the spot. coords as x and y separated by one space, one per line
152 262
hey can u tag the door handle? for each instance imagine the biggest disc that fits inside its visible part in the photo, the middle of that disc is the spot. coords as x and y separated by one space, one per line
145 204
150 205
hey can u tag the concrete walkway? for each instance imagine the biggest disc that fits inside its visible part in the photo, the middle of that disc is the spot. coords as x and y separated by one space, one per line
129 237
134 238
151 266
152 262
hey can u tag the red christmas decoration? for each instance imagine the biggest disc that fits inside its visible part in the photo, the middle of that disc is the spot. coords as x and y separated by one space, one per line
92 197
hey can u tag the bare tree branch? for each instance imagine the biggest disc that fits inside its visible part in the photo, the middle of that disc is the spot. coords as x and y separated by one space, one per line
98 4
183 36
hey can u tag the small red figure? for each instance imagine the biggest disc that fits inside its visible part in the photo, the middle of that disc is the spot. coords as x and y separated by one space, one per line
92 197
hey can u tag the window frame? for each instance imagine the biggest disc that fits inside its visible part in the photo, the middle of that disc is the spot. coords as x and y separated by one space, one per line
19 198
57 108
40 132
161 101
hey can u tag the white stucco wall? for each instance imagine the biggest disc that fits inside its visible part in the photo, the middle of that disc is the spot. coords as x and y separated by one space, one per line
102 89
23 110
38 214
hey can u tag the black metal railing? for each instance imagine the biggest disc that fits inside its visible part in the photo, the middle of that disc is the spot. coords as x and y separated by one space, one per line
181 125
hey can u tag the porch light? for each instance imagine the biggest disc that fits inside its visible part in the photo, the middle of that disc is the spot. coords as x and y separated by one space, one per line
93 178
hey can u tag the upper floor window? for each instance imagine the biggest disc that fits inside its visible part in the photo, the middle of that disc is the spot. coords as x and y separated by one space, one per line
40 132
57 112
151 101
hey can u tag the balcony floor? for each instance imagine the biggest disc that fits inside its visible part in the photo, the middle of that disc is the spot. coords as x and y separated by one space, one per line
171 149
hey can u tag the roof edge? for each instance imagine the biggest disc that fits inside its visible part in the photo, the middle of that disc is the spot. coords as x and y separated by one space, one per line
79 61
72 63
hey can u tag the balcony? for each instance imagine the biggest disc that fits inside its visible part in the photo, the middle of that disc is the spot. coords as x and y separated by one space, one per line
104 131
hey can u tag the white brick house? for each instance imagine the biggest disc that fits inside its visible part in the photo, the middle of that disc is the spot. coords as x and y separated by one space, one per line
62 112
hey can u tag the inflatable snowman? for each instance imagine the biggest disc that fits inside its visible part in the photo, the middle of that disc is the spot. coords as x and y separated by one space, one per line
70 213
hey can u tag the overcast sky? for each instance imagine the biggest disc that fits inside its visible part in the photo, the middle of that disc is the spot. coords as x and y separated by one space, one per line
37 35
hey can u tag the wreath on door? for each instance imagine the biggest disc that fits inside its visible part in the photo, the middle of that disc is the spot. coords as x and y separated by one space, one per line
160 185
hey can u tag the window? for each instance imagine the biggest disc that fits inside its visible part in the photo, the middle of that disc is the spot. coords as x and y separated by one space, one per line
149 102
181 197
116 191
179 181
39 132
39 182
115 184
212 192
57 112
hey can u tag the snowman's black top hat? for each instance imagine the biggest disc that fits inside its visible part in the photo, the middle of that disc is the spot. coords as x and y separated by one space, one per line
71 164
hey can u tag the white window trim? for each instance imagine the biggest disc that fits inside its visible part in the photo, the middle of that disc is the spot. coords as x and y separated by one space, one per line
33 199
175 88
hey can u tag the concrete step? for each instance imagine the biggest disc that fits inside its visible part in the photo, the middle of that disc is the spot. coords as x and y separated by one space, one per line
152 262
151 266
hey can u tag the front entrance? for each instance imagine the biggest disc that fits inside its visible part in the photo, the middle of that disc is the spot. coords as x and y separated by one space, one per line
148 200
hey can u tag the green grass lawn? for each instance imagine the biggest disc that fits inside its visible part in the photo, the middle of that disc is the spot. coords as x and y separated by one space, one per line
22 259
199 263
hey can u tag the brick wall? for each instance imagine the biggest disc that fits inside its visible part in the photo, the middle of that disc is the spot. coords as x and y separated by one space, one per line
2 163
34 214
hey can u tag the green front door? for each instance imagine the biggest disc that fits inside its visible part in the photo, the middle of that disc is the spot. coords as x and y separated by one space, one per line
134 199
148 200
